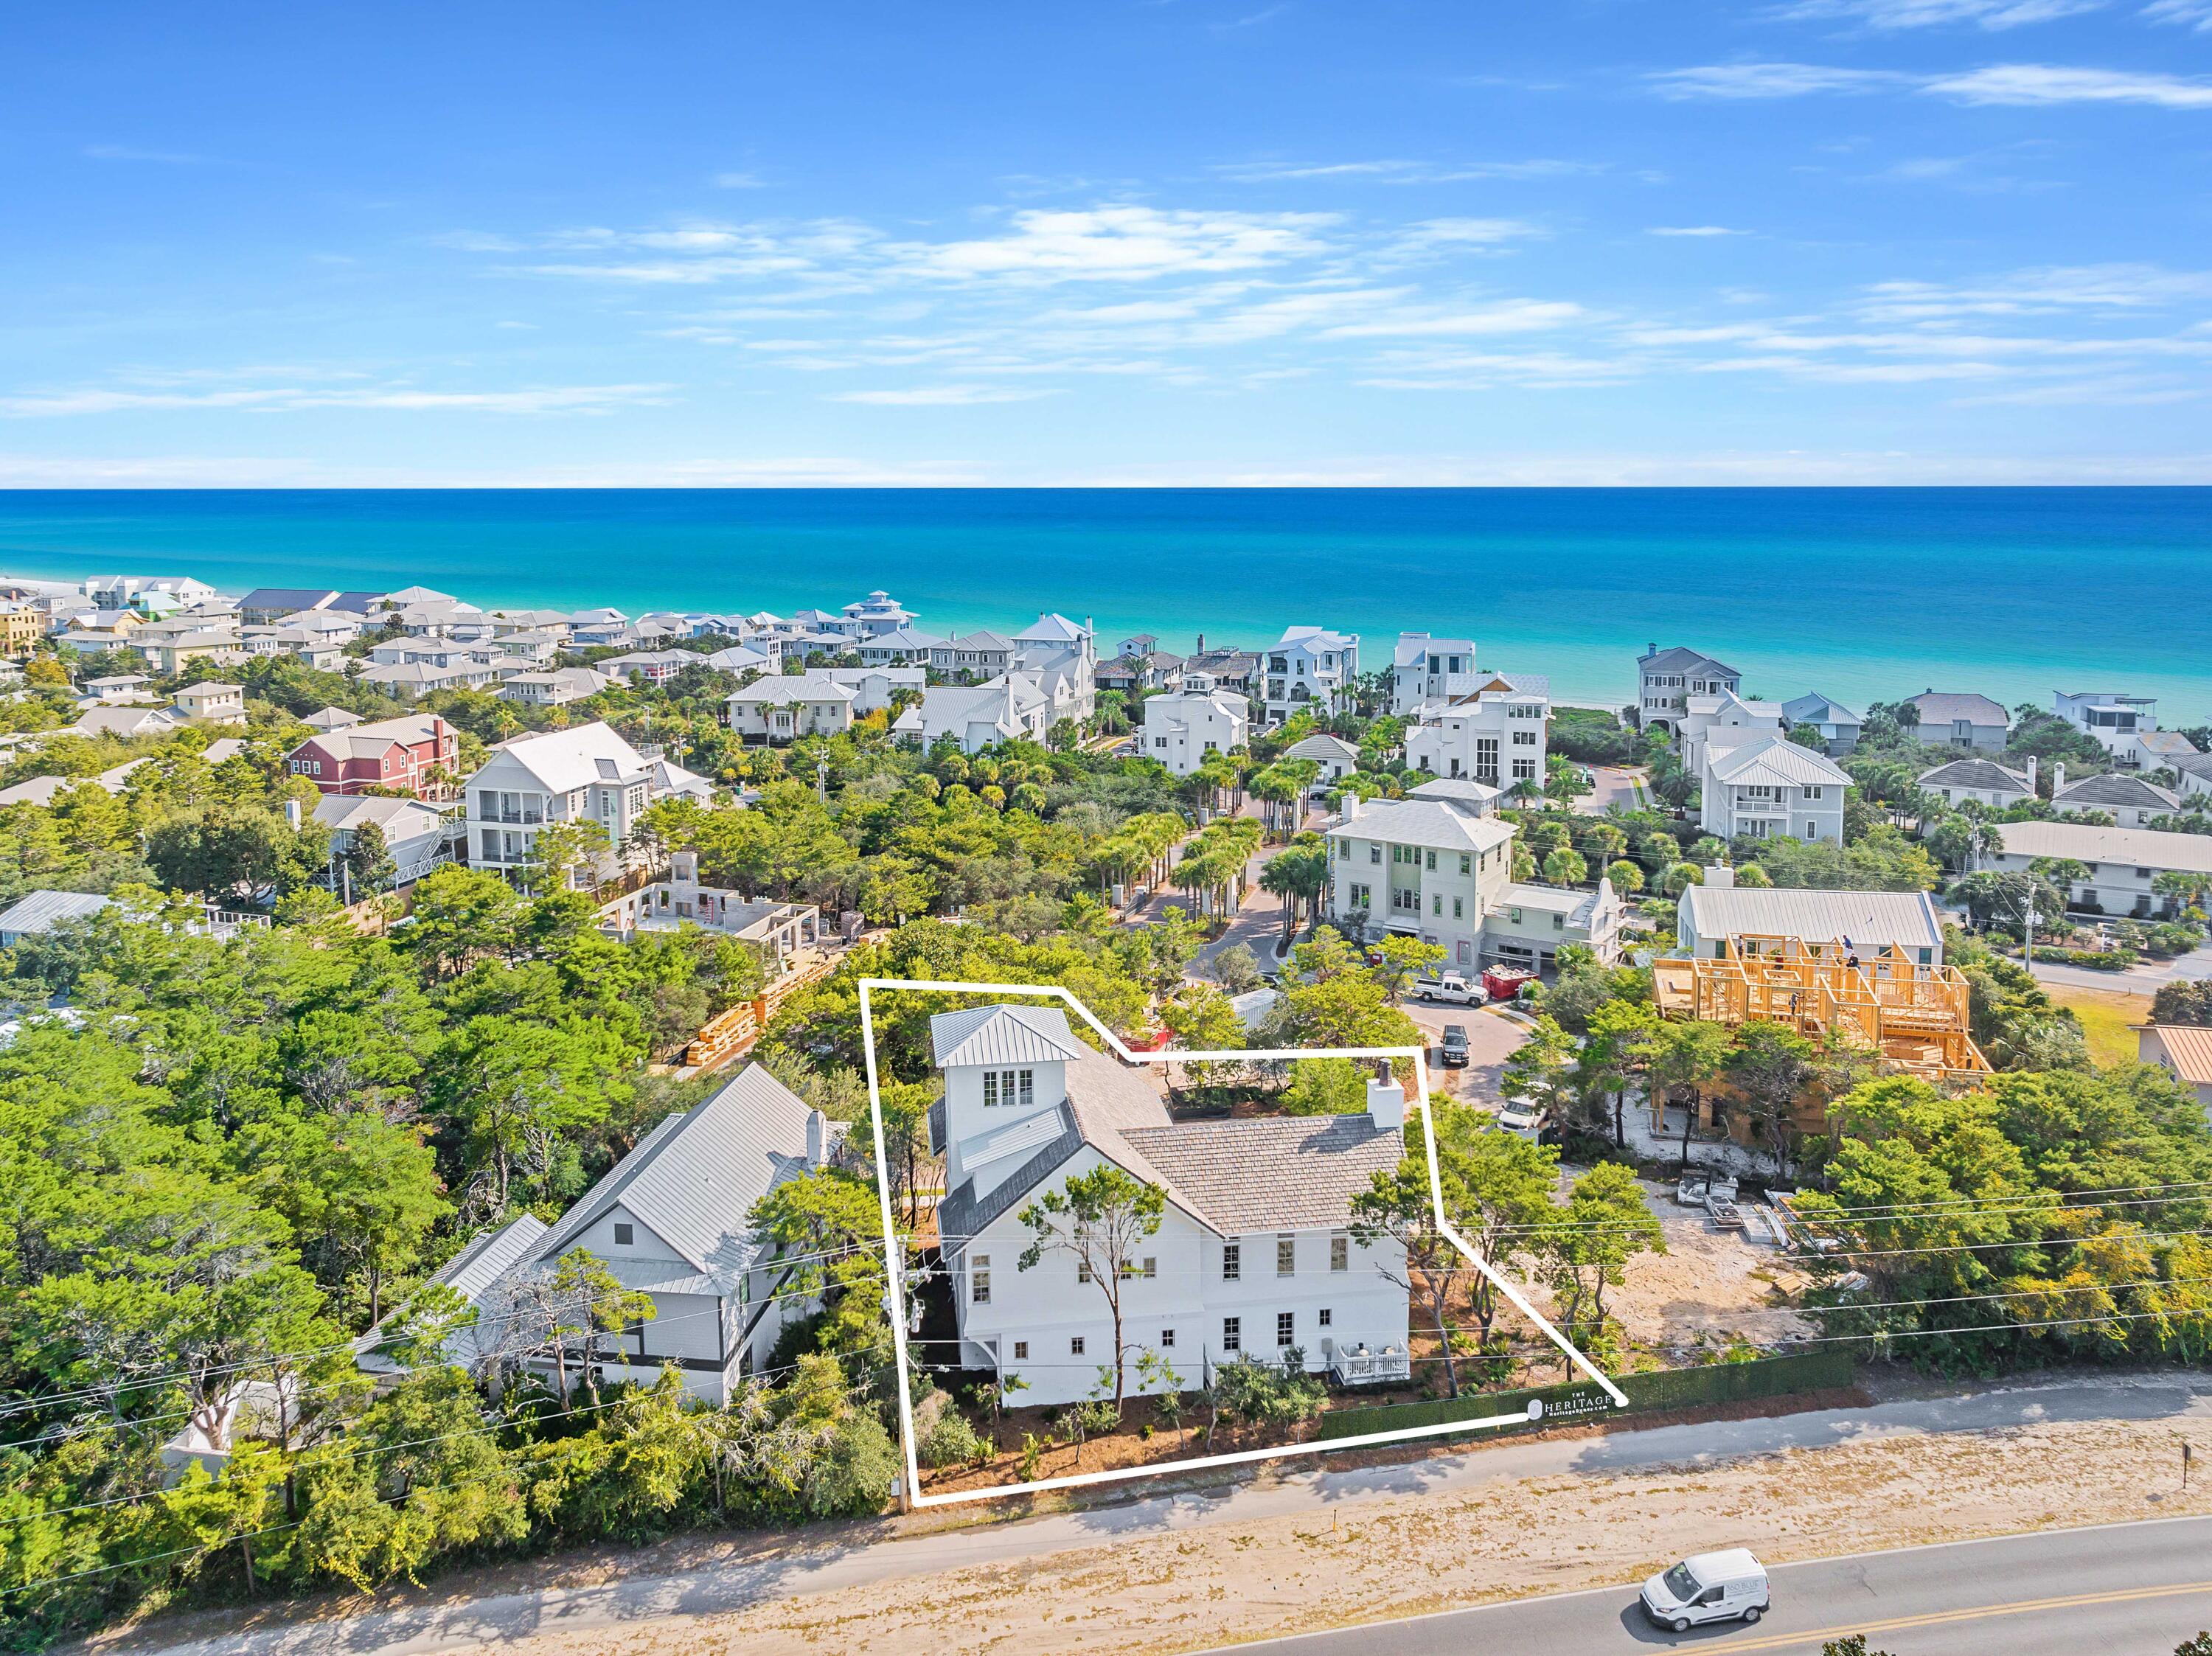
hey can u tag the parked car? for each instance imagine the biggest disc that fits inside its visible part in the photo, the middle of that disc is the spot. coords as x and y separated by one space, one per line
1523 1115
1713 1587
1451 989
1454 1048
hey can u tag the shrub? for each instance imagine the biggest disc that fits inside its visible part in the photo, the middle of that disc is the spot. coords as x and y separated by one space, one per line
950 1441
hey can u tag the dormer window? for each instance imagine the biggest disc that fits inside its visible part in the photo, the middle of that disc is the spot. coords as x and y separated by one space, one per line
1009 1087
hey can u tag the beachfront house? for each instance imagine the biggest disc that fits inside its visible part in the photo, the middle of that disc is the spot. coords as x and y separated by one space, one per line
1962 718
877 613
2112 719
1734 720
1254 1256
1182 726
1666 679
1308 667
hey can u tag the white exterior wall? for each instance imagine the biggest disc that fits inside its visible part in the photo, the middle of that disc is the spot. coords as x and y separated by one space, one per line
1447 907
786 721
2117 888
1497 741
1772 811
1180 731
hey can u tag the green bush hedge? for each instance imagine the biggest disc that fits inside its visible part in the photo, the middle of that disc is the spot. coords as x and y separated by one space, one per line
1664 1388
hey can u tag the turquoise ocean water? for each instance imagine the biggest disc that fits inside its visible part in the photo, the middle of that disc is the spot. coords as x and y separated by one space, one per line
1859 593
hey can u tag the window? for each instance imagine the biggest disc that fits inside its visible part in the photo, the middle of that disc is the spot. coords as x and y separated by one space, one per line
1816 793
990 1088
1466 863
1021 1351
1374 853
1524 770
1083 1271
622 1235
1344 851
1167 1339
979 1280
1327 1318
1075 1346
1339 1253
1436 903
1459 908
1432 863
1524 738
1232 1334
1151 1266
1232 1262
1028 1088
1286 1256
1159 741
1286 1328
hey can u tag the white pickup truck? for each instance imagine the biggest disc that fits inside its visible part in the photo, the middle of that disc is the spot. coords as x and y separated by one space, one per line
1451 989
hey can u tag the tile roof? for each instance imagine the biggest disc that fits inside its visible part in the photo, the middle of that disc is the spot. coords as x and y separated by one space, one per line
1003 1034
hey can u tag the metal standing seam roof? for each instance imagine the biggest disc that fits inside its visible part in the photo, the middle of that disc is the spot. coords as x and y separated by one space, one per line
39 911
1905 919
1003 1034
692 1179
2190 1046
1775 757
1424 823
2151 848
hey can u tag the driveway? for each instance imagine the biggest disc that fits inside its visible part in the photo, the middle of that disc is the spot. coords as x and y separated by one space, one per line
1490 1036
1617 784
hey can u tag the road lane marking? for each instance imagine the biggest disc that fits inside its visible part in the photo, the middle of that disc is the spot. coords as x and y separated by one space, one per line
1937 1618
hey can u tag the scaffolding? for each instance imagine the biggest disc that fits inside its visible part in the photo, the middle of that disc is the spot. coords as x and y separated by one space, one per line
1915 1017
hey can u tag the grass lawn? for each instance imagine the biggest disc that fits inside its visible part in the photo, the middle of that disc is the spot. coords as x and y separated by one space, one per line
2105 1015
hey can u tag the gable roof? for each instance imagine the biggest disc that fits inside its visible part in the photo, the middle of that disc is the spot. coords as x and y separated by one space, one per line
369 741
1003 1034
1051 628
1775 759
1323 745
287 598
565 760
1681 659
1905 919
2167 744
1271 1173
1948 706
2128 792
1974 773
2190 1046
692 1179
1427 822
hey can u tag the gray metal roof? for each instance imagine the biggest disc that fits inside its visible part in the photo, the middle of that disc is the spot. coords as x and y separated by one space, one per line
1429 822
1947 706
1906 919
1003 1034
1680 659
1772 757
2131 793
1974 773
41 911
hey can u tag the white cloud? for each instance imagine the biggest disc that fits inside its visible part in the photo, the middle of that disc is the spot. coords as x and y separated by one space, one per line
1123 243
1991 15
555 399
1694 230
2045 84
2026 293
2192 14
1506 316
1400 171
1768 81
943 395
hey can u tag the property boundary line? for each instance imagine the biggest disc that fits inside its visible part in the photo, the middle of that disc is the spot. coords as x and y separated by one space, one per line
894 1276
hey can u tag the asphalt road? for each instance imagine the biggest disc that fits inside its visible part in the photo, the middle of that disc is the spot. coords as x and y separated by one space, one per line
2122 1590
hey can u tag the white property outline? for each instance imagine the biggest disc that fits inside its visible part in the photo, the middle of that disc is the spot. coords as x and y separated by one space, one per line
895 1263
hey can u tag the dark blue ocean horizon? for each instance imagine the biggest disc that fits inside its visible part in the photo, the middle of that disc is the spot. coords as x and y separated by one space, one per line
1858 594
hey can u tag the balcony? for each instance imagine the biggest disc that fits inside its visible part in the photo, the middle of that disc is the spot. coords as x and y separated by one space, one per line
1361 1365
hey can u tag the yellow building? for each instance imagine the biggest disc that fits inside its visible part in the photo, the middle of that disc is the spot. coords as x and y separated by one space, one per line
20 627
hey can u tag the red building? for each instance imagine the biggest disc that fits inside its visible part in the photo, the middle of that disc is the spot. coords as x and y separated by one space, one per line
393 752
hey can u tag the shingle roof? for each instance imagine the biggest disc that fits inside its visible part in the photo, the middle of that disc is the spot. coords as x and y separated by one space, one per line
1906 919
1680 659
1974 773
1283 1172
1003 1034
2130 793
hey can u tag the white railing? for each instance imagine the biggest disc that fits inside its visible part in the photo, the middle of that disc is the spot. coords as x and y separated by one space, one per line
1361 1365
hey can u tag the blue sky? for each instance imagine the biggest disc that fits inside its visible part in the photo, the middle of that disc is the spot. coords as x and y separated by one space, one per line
1148 241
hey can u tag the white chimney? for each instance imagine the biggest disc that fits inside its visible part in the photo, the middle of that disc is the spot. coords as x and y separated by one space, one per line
1386 1104
292 814
2031 773
817 1131
2057 779
1350 808
1720 877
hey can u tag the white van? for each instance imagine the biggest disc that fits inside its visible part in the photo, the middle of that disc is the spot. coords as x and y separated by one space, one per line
1713 1587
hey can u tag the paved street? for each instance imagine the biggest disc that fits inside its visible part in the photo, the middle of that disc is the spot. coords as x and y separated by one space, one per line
2134 1588
1489 1037
1621 786
2143 979
822 1558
